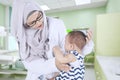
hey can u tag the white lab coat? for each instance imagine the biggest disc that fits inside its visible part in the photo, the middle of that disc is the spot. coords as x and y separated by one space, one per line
38 67
57 34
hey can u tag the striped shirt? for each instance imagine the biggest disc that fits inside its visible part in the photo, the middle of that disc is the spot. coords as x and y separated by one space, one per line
77 70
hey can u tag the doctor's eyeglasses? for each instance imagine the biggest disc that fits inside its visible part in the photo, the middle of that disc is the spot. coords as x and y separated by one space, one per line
32 23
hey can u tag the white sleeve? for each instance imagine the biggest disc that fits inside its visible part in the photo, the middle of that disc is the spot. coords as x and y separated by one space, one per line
41 66
88 48
61 34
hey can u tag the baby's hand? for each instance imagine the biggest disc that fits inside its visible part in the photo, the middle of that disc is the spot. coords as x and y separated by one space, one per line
61 66
56 48
89 35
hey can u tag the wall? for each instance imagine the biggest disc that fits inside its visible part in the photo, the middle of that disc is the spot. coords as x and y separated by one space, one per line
2 15
113 6
79 18
12 44
2 23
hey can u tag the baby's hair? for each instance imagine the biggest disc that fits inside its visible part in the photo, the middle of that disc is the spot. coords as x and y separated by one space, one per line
78 38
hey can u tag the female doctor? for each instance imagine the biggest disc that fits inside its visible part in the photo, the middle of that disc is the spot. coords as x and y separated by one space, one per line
36 35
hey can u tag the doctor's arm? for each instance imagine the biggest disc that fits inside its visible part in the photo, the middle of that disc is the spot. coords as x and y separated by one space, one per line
42 66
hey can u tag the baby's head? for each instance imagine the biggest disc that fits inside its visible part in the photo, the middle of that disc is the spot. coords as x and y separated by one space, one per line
75 39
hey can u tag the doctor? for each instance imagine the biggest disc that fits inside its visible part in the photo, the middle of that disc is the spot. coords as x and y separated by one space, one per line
36 35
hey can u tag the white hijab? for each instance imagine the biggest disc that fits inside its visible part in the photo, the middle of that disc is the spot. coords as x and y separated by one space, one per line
33 43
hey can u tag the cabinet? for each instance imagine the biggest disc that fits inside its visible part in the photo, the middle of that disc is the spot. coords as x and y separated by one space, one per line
107 68
107 35
107 41
98 71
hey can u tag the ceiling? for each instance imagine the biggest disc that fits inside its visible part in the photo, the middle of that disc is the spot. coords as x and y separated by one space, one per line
62 5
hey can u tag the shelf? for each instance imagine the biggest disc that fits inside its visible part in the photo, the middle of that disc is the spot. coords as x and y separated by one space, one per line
13 72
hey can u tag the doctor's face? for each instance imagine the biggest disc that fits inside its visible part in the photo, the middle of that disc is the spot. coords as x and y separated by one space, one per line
35 20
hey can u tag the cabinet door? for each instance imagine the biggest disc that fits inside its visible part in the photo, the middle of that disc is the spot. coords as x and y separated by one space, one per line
107 34
98 71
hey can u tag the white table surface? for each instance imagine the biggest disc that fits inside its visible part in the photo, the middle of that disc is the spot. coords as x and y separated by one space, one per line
6 51
3 51
110 67
5 59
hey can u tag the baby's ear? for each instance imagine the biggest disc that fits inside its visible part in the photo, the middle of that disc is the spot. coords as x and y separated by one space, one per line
72 46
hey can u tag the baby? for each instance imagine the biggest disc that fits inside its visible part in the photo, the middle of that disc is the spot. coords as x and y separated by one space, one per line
74 43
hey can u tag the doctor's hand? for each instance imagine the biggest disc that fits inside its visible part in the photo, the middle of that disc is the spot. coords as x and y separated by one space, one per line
61 66
89 35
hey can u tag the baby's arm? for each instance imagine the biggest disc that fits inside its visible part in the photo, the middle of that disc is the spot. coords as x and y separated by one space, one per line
63 58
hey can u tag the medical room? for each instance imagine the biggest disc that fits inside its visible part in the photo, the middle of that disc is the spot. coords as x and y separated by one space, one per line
30 29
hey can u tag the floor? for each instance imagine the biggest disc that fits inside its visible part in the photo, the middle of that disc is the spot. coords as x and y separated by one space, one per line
89 75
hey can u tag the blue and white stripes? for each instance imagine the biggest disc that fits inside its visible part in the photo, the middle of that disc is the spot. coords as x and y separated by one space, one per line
76 73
